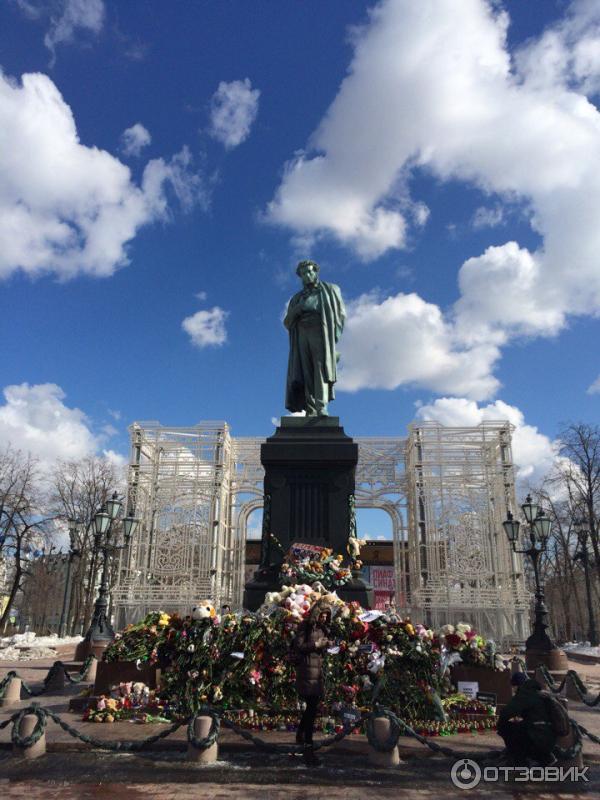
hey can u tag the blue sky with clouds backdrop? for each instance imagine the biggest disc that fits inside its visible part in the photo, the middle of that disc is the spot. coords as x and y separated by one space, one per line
163 166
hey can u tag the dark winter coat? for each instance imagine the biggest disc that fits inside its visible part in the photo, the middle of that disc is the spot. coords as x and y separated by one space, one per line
531 705
308 658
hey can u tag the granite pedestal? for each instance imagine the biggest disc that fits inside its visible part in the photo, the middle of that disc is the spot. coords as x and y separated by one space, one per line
310 465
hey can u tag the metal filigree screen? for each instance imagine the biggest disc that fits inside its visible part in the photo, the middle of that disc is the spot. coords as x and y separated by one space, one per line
446 491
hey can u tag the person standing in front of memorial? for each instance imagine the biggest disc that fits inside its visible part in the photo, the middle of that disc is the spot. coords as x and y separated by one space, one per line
309 645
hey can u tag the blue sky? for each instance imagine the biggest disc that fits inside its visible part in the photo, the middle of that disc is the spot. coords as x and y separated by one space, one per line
439 160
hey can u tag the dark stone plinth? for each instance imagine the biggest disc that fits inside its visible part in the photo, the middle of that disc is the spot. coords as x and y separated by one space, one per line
112 673
310 465
554 659
356 590
489 680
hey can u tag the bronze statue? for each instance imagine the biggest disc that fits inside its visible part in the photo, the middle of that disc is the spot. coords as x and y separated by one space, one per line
315 320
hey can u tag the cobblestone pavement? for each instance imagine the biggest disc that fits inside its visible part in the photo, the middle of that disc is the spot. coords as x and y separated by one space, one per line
71 770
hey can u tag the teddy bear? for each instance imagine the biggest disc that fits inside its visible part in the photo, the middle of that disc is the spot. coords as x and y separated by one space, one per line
204 610
140 693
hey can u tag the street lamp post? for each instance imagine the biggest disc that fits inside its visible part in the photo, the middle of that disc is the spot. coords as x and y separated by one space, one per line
100 632
582 555
73 553
540 650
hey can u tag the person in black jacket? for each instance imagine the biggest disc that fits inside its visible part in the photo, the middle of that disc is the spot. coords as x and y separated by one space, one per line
310 642
533 736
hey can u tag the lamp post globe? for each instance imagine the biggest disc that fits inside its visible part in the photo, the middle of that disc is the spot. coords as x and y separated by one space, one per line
100 633
540 650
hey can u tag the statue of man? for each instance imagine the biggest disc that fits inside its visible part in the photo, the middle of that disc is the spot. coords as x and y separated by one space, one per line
315 320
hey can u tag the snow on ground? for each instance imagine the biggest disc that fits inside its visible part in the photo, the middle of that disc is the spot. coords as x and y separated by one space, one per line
27 646
584 648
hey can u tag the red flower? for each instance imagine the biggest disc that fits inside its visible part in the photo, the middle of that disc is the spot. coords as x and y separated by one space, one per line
453 640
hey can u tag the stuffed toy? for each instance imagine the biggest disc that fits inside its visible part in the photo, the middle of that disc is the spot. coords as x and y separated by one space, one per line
204 610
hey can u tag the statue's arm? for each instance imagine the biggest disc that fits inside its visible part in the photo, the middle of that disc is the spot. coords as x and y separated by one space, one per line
293 311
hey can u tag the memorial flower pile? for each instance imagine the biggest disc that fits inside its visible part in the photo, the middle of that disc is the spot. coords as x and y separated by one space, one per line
240 662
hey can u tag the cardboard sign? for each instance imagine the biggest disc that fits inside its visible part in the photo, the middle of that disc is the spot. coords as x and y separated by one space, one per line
369 647
468 688
299 551
351 716
490 698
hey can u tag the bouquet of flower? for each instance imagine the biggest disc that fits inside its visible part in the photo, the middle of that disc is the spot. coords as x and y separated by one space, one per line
472 648
309 563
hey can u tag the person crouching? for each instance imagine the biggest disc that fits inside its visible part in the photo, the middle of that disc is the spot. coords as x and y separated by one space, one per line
532 737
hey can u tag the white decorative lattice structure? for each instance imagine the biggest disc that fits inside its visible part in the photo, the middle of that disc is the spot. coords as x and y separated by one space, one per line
446 491
461 483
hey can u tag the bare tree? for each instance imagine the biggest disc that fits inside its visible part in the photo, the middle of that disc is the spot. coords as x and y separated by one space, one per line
572 493
23 524
80 489
579 473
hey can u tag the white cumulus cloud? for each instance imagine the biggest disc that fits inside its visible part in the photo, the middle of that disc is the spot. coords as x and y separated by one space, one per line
67 208
206 328
595 387
74 16
35 419
234 107
433 87
402 340
534 453
486 217
134 139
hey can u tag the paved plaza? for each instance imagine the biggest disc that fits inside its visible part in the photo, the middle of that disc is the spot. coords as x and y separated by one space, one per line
70 769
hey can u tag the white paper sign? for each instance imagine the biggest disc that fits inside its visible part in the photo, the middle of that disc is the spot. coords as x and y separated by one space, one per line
369 616
468 688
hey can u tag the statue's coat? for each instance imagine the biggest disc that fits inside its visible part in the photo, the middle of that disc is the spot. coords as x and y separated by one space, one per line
333 315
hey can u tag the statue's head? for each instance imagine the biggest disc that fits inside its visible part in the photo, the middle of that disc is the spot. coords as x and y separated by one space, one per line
308 271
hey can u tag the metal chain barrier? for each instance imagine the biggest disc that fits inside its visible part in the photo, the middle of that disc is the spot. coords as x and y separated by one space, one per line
437 748
585 732
7 722
283 748
37 732
52 672
398 727
580 686
395 730
212 735
5 681
80 676
127 746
